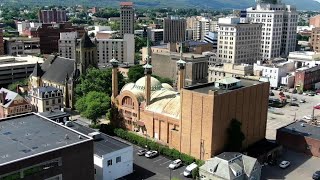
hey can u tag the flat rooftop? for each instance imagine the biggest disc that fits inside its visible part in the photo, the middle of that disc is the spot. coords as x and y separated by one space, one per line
30 134
306 130
8 61
204 88
104 146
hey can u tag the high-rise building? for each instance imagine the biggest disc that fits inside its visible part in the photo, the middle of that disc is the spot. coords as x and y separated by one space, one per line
49 35
315 39
126 18
1 43
174 29
67 44
314 21
52 16
239 41
201 26
123 49
279 27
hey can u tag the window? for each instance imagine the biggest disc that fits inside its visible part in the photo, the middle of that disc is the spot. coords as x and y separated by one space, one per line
118 159
47 102
109 163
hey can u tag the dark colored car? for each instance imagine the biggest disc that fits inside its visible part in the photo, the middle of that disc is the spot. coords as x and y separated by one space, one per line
294 104
316 175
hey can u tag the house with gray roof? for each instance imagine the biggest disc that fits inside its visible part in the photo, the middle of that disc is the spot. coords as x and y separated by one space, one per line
231 166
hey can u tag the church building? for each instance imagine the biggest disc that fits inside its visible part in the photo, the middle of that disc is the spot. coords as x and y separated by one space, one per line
194 120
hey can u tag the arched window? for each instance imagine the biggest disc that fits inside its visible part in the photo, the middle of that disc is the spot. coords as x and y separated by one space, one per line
127 102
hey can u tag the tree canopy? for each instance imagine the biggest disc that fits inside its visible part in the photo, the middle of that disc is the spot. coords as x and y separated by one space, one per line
97 80
13 86
93 105
135 72
235 136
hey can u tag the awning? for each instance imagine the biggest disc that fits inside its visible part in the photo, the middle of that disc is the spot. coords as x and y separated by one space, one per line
140 123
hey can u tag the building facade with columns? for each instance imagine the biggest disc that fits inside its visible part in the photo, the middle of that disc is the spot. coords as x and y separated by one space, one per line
194 120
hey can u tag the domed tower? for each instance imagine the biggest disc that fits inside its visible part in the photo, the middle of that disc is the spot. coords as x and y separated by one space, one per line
86 54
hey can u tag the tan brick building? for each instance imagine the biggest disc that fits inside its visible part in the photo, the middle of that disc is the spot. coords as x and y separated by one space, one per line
315 39
314 21
193 120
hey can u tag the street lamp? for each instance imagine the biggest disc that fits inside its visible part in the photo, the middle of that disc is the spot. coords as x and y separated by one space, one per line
146 139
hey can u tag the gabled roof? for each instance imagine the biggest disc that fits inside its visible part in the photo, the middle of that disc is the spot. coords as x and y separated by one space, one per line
10 96
86 42
58 70
37 71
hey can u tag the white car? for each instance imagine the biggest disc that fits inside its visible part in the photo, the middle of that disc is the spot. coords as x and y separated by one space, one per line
284 164
175 164
151 154
302 101
307 117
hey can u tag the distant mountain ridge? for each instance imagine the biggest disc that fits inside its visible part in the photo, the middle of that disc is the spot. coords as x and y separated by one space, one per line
210 4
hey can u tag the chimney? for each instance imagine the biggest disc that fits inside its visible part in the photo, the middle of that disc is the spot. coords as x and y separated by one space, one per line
3 98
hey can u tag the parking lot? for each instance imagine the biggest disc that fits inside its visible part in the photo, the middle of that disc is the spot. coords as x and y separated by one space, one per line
287 114
301 168
154 168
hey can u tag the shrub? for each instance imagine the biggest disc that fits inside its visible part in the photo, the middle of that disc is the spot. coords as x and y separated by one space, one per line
142 142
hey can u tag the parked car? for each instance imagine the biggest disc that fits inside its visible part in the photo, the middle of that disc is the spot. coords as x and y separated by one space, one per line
151 154
308 117
294 99
294 104
141 152
316 175
302 101
175 164
188 171
311 94
284 164
68 123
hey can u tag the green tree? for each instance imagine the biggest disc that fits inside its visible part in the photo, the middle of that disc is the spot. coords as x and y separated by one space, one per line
13 86
235 136
97 80
135 73
93 105
140 43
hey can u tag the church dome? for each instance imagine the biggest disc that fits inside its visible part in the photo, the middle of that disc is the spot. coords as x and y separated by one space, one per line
155 84
167 86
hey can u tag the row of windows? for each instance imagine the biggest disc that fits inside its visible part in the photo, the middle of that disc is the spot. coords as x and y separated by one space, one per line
118 160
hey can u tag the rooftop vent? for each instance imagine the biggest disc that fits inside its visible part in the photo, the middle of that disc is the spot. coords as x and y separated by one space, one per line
66 137
302 125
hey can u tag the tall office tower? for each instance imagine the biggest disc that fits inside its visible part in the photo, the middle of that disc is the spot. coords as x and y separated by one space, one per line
201 26
1 42
239 41
279 27
126 18
174 29
67 44
50 16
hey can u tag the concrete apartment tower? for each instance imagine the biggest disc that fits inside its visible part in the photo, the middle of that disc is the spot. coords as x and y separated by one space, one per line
279 27
86 54
239 41
181 65
174 29
115 64
67 44
126 18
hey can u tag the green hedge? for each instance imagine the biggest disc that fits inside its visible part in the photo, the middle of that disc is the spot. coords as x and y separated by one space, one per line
142 142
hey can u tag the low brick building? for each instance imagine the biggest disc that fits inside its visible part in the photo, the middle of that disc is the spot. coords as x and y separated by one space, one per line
300 137
306 78
12 104
34 147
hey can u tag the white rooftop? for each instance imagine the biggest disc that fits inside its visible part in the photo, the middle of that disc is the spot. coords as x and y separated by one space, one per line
6 61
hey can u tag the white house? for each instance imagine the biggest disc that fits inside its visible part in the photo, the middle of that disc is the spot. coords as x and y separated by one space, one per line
112 158
274 72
